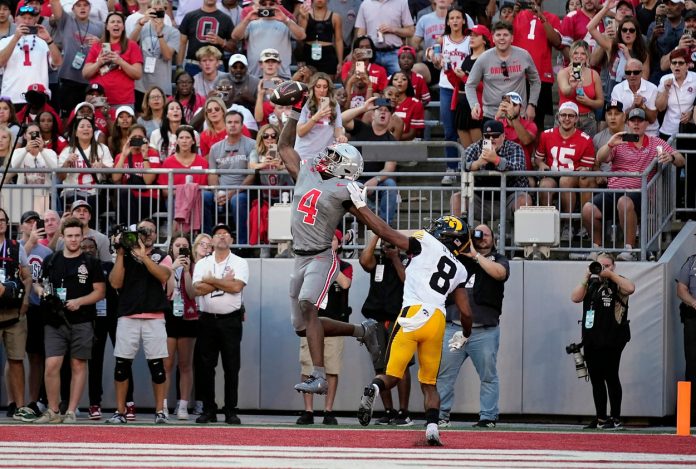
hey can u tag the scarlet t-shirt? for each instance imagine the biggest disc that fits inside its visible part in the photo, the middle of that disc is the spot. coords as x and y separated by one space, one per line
411 112
137 158
566 154
511 134
119 87
208 139
172 163
531 36
377 74
574 28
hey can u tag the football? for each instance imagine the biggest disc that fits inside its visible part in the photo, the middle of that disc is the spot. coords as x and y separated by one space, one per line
288 93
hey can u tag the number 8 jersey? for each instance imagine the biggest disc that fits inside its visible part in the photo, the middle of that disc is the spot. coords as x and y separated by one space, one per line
431 275
318 206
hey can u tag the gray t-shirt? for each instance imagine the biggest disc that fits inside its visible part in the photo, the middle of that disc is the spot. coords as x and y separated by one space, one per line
225 155
282 179
74 40
203 87
268 34
150 46
348 9
321 135
318 205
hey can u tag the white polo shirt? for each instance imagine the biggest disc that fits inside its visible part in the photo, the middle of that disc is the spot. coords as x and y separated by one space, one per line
220 302
647 90
681 99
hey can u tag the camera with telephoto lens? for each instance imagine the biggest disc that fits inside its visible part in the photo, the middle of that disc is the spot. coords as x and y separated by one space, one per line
580 367
13 290
266 12
129 238
53 311
595 269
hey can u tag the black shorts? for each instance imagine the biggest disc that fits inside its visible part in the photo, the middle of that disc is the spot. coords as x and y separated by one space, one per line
35 330
178 328
462 115
606 202
328 62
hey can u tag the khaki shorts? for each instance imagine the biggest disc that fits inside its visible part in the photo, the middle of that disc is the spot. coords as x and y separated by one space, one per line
333 356
14 337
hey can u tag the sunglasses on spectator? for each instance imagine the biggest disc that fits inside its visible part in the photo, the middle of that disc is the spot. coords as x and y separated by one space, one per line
27 9
267 136
504 67
678 63
567 116
632 72
628 30
491 135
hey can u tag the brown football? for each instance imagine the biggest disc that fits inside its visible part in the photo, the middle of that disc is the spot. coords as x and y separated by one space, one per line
288 92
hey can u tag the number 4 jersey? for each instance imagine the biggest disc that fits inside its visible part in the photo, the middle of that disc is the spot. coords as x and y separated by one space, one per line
318 205
431 275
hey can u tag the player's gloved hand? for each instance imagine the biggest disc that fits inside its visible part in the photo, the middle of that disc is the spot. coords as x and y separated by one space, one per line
357 195
457 341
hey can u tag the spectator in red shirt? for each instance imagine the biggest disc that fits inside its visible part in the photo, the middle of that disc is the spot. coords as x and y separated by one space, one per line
408 108
215 121
364 51
136 204
50 132
407 58
517 128
626 157
185 158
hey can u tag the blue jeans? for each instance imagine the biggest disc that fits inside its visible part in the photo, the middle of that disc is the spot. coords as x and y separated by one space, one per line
482 347
447 118
236 214
389 61
387 201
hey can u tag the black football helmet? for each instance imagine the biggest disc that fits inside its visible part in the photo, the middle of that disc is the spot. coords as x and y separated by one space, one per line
451 231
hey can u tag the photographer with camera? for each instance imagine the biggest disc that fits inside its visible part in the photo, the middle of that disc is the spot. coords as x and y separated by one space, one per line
140 274
488 271
14 280
73 282
605 332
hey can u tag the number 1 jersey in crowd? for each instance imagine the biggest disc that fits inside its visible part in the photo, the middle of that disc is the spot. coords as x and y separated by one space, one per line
318 206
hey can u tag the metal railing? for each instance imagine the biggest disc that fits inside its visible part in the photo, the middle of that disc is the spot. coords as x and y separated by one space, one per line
686 179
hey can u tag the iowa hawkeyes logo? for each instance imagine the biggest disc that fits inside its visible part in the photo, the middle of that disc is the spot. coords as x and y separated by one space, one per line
453 222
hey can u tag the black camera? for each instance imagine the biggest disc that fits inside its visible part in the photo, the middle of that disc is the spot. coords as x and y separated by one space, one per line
33 29
525 5
266 12
595 268
137 141
184 252
53 311
478 234
34 135
13 290
580 367
129 238
159 14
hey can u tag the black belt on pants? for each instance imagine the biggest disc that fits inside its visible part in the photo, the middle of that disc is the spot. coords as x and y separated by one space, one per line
221 315
300 252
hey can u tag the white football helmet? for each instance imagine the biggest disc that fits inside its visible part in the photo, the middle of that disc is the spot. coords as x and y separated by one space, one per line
341 160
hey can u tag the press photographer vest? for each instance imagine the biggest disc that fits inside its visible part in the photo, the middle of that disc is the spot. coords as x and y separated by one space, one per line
605 316
9 261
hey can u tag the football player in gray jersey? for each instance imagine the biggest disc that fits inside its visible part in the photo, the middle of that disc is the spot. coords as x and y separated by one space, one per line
320 201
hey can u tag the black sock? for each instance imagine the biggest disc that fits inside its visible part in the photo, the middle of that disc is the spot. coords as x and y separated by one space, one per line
380 384
431 416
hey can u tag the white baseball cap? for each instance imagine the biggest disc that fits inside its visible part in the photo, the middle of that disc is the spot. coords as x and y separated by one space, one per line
570 106
238 58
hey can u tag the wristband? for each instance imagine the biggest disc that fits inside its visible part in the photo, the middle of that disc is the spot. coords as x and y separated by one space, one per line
497 161
476 257
49 43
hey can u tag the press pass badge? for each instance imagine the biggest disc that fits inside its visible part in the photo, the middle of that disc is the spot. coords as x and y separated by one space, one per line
79 60
101 308
62 294
149 66
379 273
3 276
316 51
589 319
178 304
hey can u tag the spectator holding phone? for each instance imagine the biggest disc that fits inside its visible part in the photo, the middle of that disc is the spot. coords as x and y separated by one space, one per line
34 155
664 35
115 64
320 123
27 55
137 21
372 75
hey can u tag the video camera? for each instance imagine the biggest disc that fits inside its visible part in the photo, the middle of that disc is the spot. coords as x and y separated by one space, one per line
128 238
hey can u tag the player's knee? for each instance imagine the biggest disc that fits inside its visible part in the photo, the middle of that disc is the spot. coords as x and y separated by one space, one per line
307 308
157 370
122 369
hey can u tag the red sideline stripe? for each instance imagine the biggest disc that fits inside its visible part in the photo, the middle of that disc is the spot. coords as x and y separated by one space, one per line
274 436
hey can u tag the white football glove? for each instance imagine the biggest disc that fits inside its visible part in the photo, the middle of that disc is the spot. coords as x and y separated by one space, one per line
457 341
357 195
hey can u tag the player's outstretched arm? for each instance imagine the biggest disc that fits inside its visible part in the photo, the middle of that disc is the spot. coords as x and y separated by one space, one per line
461 299
286 147
372 221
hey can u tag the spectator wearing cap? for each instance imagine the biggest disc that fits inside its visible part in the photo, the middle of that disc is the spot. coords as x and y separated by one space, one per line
407 107
539 33
565 148
581 85
206 26
208 62
243 87
637 92
518 128
219 281
37 102
389 24
676 93
499 155
158 41
407 60
615 120
34 155
26 56
376 131
323 45
269 61
36 253
99 10
79 32
664 36
626 157
270 31
97 115
116 66
503 69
